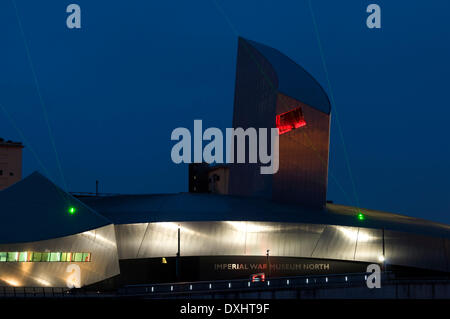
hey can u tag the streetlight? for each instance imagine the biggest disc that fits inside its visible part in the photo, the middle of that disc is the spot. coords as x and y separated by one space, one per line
178 256
382 257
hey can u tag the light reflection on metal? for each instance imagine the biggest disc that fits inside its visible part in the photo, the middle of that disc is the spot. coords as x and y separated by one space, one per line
11 281
93 235
73 280
220 238
250 227
43 282
224 238
355 234
176 226
229 238
104 263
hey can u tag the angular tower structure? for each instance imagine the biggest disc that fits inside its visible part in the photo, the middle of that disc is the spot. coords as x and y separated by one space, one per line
273 91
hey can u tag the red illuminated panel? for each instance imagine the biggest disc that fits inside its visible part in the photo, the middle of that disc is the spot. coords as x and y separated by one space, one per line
258 277
290 120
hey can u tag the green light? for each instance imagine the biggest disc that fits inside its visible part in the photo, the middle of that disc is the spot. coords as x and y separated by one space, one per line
72 210
361 216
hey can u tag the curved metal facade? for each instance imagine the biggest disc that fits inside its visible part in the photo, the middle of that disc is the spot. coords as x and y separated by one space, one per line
265 215
269 84
147 240
100 242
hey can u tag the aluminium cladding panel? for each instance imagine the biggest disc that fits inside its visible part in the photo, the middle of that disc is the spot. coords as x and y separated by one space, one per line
254 106
408 249
249 239
100 242
369 246
129 239
303 157
222 238
349 243
161 239
282 239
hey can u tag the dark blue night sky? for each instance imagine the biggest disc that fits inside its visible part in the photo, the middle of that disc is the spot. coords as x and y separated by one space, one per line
114 90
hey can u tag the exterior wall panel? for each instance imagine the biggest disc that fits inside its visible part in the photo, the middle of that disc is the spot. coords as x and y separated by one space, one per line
424 252
303 152
289 240
303 173
100 242
254 106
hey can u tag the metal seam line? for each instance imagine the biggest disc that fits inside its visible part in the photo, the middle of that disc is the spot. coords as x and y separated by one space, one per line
318 239
143 238
356 244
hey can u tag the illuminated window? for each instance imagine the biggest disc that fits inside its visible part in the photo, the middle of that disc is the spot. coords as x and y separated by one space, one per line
78 256
45 257
14 256
29 256
37 256
23 256
86 257
55 256
290 120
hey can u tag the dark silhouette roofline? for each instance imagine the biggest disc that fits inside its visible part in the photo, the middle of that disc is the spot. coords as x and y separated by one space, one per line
35 209
128 209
